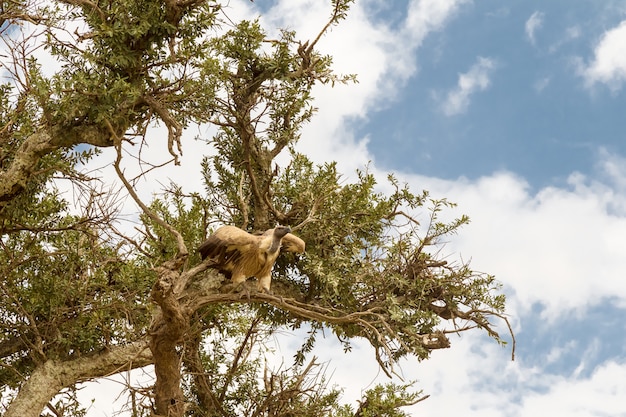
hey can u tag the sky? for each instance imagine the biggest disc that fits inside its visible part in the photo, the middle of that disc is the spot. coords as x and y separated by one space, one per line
513 110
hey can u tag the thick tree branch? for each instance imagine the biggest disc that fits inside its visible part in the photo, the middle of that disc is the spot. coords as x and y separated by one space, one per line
52 376
15 178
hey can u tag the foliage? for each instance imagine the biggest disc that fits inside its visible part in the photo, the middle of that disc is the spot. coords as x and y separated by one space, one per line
82 298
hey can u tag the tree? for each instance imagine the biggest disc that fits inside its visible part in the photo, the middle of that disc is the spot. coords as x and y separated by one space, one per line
82 298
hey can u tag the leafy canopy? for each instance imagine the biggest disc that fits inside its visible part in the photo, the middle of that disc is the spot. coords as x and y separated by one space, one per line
86 297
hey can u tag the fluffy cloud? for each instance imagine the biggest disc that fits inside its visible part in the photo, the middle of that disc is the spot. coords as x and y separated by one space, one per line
425 16
534 22
609 63
382 55
476 378
559 247
476 79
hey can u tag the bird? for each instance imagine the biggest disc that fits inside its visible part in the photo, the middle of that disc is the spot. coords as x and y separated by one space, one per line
240 255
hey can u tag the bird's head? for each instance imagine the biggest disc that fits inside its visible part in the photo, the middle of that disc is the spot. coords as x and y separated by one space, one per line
281 231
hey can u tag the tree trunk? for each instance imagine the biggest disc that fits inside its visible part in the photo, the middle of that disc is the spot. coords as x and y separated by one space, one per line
166 333
169 397
52 376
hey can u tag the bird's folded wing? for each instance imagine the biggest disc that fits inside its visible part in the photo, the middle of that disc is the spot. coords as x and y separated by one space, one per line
292 243
227 242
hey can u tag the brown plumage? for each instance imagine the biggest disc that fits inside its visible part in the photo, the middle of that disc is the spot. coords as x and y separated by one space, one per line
240 255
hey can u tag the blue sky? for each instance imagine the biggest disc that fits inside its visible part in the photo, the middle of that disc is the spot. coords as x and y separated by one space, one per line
535 117
515 110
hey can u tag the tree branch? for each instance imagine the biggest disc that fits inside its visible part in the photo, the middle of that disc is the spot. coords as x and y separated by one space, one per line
174 128
14 179
373 322
52 376
182 248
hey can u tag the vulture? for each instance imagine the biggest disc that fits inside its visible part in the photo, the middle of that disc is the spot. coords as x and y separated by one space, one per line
240 255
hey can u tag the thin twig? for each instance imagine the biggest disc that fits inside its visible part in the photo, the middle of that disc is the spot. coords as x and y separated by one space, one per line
182 248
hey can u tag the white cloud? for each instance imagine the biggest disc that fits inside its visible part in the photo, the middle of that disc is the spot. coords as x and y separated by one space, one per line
476 378
601 394
557 352
561 247
534 22
613 167
609 63
476 79
383 56
573 32
425 16
570 34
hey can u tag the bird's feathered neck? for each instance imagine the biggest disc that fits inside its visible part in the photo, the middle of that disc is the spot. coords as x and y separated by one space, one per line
277 235
275 245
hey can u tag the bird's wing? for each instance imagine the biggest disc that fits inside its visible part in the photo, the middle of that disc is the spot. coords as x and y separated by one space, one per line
292 243
227 245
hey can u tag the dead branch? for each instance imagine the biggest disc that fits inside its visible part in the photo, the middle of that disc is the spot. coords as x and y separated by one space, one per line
174 128
182 248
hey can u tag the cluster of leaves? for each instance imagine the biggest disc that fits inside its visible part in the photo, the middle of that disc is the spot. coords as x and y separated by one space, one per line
261 108
65 292
132 49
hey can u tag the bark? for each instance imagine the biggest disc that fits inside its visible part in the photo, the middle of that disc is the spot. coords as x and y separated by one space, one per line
166 334
53 375
15 177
